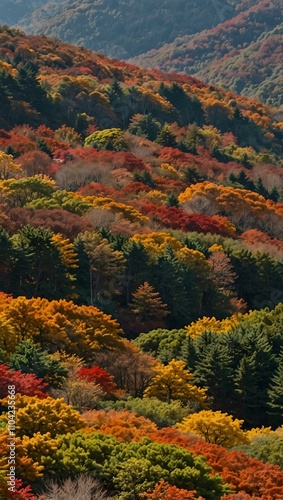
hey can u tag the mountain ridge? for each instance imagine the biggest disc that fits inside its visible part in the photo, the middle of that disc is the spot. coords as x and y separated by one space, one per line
124 29
218 41
238 42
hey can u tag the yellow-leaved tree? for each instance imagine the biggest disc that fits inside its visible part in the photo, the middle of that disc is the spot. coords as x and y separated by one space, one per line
157 243
8 168
215 427
27 467
206 324
40 449
45 415
174 381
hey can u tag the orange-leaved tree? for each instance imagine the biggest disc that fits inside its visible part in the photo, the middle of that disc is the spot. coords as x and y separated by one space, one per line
58 325
148 307
164 491
125 425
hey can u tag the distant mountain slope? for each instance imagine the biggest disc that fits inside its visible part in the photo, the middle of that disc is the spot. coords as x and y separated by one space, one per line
242 54
236 44
126 28
12 11
255 71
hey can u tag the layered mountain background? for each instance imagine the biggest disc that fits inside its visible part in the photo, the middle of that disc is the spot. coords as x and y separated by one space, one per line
120 29
235 44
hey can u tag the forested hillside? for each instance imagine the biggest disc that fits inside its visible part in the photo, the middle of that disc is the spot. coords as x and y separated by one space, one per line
242 54
121 28
141 283
12 11
236 45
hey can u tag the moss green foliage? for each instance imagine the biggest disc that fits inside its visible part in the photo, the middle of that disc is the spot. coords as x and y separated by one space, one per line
32 359
135 467
267 448
163 414
111 139
163 344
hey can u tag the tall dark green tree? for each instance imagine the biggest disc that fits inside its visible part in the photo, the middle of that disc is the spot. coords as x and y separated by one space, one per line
172 200
214 371
254 365
190 175
242 179
30 90
177 286
188 108
5 104
166 138
246 380
145 125
6 261
275 394
38 269
137 268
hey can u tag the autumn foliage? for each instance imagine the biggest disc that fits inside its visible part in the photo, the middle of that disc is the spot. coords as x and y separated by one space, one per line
99 376
123 425
26 383
163 491
140 275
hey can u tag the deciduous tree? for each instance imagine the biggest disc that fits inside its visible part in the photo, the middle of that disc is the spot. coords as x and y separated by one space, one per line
164 491
215 427
45 415
8 168
99 376
124 425
175 382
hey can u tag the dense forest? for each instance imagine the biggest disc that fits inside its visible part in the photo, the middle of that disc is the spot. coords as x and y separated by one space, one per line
12 11
242 54
141 284
234 44
121 28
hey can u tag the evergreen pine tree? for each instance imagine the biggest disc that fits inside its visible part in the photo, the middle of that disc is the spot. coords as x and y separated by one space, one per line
246 380
255 365
176 284
214 371
43 146
137 268
275 394
11 151
273 195
147 304
166 138
260 189
30 89
190 175
32 359
172 200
